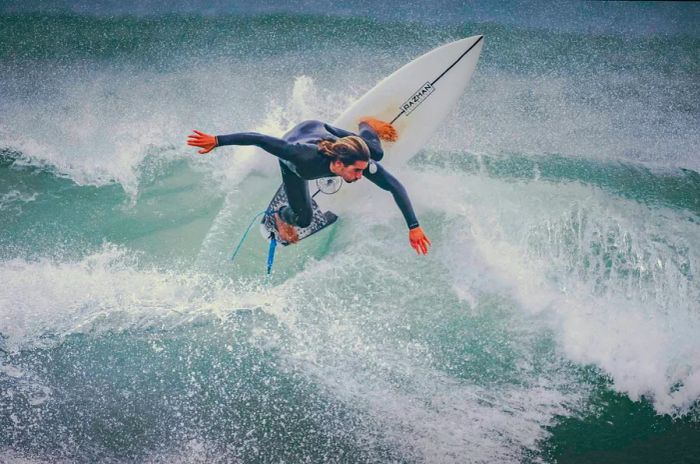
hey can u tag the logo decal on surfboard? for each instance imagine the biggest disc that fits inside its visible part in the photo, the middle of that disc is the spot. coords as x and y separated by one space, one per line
417 98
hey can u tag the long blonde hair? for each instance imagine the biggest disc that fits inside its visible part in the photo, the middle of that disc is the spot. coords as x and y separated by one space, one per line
347 150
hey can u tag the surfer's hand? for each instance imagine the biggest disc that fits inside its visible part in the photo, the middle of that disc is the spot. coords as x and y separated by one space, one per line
384 130
199 139
419 241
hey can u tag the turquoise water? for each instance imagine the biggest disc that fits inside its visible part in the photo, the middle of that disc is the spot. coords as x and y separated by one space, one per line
555 319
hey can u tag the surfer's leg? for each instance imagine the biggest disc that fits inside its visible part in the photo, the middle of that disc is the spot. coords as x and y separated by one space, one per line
299 212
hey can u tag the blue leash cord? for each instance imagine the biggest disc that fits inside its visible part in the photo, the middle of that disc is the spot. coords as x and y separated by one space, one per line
271 254
271 250
245 234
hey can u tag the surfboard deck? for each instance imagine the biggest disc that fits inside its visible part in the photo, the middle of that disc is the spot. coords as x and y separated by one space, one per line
417 98
319 221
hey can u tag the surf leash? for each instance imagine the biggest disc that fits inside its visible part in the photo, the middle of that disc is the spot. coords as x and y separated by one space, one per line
271 254
273 242
245 234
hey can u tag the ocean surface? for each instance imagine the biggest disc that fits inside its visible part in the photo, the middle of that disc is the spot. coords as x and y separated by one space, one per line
555 320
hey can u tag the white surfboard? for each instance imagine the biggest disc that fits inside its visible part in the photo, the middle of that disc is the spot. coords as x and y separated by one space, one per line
415 99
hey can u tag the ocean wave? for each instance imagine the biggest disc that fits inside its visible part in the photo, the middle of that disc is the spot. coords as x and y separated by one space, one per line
618 288
640 182
560 197
393 383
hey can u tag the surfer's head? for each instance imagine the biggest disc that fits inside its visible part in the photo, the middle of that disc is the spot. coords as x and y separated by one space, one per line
349 156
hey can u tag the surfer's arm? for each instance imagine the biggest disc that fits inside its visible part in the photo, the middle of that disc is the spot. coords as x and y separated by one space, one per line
419 241
387 182
278 147
367 133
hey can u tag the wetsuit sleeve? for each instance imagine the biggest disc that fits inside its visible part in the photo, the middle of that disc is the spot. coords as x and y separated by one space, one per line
386 181
278 147
367 133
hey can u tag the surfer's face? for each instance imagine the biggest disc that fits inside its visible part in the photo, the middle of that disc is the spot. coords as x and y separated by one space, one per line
349 173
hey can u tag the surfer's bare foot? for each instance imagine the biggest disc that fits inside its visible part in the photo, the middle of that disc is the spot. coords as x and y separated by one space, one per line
287 231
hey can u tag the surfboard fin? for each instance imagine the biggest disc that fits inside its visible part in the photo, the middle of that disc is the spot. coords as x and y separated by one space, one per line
271 253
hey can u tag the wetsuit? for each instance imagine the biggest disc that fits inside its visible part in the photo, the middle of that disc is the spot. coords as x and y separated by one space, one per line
300 160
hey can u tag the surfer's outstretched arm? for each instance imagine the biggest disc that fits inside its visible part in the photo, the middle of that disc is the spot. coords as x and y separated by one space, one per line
278 147
419 241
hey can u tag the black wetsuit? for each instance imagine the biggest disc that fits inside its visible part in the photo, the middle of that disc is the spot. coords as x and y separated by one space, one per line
301 160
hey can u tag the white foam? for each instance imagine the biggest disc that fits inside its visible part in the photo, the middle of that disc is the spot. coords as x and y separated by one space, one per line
97 127
343 342
611 276
105 291
352 348
14 198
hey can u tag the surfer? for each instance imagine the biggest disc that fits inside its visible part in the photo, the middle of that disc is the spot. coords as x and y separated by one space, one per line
312 150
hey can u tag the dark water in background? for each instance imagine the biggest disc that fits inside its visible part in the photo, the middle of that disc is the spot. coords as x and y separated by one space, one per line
556 319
